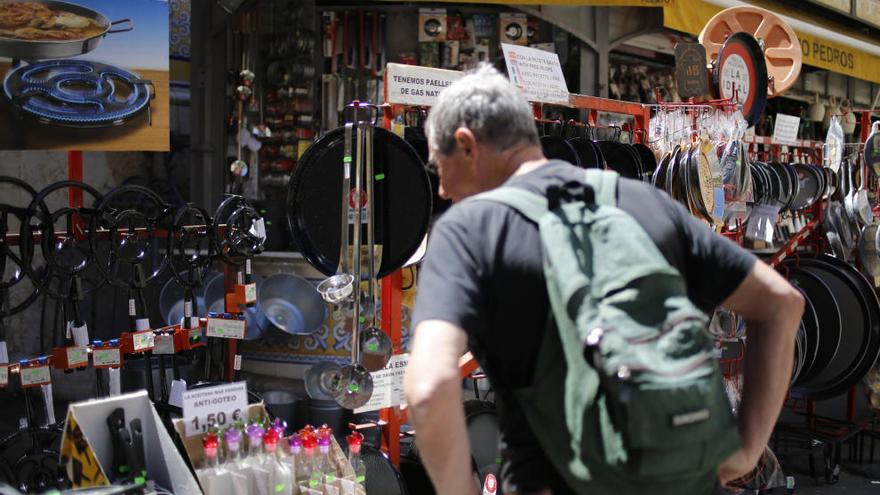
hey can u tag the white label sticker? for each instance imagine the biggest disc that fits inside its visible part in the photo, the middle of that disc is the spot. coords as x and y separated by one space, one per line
178 387
214 406
188 309
785 129
250 293
77 356
143 341
36 375
414 85
106 357
115 379
536 73
80 334
226 329
247 266
387 385
4 376
237 364
131 309
164 344
4 354
735 76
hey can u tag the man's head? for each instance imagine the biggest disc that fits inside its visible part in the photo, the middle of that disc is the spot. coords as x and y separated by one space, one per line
478 130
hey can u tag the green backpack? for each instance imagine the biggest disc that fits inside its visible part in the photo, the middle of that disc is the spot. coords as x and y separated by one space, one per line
637 405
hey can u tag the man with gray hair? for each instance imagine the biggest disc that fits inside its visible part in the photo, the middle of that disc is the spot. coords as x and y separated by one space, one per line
482 288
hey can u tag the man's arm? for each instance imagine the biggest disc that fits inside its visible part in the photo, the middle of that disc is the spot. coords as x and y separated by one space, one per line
433 393
772 309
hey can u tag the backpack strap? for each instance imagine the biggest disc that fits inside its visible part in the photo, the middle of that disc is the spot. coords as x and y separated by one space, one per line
532 206
604 184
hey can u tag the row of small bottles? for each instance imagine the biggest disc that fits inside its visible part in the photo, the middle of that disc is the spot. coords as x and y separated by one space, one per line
275 465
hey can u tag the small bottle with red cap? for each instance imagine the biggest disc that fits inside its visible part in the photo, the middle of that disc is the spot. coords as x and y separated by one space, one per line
211 444
310 443
354 456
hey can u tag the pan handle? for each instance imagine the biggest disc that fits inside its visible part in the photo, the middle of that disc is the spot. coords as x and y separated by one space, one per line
123 30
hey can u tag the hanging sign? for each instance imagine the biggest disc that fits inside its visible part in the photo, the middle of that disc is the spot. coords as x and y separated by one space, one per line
691 75
226 328
536 73
415 85
214 406
387 385
785 129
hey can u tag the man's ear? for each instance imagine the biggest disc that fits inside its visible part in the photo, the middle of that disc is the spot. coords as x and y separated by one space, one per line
466 140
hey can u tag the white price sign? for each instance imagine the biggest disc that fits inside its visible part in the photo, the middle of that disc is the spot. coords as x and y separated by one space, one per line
226 329
536 73
785 129
77 356
4 375
105 358
34 376
164 344
214 406
387 385
250 293
415 85
143 341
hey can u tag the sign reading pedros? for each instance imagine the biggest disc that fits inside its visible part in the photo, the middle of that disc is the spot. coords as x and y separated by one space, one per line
536 73
214 406
387 385
415 85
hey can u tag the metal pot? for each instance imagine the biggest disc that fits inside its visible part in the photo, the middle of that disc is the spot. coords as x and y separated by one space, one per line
35 50
291 304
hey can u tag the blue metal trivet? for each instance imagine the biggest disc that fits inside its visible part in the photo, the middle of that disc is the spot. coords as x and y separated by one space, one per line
77 93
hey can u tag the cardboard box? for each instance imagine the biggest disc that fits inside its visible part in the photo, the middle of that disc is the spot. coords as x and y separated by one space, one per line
87 451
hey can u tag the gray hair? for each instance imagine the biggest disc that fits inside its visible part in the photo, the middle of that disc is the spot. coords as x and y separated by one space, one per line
490 106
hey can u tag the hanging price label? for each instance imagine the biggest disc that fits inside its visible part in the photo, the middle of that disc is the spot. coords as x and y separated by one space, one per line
250 293
4 376
214 406
106 358
77 356
164 344
35 376
143 341
226 329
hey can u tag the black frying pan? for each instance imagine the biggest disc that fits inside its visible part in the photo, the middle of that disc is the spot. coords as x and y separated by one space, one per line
558 148
827 318
402 208
619 158
587 152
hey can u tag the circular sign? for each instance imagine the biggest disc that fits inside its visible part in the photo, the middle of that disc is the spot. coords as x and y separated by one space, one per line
741 73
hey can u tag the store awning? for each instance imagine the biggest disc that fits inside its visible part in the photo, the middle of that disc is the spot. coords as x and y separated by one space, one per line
844 54
574 3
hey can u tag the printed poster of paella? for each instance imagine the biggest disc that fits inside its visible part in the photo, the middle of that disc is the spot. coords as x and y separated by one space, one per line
90 75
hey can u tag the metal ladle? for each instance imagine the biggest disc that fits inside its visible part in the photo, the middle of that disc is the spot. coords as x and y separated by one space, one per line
339 287
355 384
375 345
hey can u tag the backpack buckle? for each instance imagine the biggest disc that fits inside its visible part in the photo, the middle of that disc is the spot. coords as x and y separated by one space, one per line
569 192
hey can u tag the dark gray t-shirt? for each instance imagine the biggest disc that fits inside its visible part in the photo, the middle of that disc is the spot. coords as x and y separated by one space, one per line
483 272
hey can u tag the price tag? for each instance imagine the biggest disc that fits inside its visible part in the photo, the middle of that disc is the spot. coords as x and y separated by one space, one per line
106 358
77 356
226 329
4 376
214 406
164 344
143 341
237 364
387 385
35 376
250 293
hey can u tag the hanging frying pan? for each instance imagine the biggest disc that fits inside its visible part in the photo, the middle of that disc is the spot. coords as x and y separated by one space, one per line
809 186
781 47
869 257
403 201
812 334
799 353
860 341
740 68
658 179
823 310
872 148
588 154
483 432
415 136
558 148
618 158
649 161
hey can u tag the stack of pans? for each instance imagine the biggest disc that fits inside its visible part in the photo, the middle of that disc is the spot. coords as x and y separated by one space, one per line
839 338
575 143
